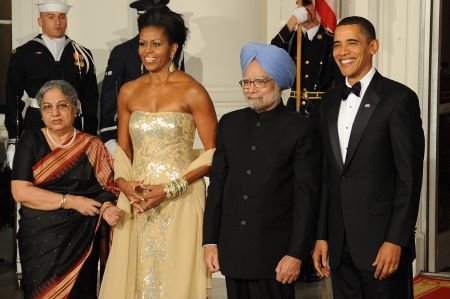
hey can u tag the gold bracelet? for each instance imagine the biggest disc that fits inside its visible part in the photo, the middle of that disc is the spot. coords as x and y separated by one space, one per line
175 188
63 201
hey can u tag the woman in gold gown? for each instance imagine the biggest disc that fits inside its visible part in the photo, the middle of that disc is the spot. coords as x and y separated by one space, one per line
156 250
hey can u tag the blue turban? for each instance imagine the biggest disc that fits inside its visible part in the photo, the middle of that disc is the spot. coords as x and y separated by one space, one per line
275 61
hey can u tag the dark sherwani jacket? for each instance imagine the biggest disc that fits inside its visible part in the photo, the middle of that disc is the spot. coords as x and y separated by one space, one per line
264 190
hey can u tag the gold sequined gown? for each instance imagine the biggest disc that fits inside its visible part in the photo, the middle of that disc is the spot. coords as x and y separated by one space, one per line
169 253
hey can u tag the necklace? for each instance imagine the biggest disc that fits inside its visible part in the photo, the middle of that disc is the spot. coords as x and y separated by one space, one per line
62 145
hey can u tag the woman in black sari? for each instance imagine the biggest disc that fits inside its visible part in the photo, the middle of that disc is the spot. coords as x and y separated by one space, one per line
63 180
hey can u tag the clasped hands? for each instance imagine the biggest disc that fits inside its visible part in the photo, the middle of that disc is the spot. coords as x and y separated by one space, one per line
142 197
90 207
386 261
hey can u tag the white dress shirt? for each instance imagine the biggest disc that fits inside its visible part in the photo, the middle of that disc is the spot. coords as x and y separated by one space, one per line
311 32
348 110
55 45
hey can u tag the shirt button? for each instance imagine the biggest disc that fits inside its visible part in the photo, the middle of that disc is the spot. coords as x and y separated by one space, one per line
258 124
243 223
249 171
253 148
306 76
306 61
245 197
343 178
321 62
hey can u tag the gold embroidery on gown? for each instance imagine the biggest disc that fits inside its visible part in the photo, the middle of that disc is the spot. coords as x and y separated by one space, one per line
169 260
162 145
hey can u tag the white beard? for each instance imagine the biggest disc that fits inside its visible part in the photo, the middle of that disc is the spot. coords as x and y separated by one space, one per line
260 105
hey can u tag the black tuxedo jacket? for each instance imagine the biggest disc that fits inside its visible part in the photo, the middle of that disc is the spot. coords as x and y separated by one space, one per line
374 196
264 191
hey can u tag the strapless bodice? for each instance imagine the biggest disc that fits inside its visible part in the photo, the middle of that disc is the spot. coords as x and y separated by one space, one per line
162 145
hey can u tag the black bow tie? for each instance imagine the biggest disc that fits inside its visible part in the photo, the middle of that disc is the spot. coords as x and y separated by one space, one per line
355 89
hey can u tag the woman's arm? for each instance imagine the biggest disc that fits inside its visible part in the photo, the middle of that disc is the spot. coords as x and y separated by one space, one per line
201 107
27 194
205 118
33 197
123 113
124 140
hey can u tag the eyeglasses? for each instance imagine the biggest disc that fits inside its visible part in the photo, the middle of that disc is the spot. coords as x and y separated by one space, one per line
61 106
259 82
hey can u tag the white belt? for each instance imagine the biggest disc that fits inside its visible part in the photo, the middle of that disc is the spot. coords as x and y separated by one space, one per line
34 103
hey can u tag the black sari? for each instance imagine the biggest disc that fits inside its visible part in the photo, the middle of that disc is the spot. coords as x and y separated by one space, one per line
57 248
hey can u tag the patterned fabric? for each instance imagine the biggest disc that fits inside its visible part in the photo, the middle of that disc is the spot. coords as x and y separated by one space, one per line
58 250
426 287
58 288
56 163
162 247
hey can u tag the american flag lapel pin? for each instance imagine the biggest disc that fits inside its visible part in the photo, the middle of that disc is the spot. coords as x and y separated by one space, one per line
367 106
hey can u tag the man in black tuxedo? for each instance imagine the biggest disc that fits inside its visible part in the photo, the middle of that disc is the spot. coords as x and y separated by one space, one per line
373 157
264 190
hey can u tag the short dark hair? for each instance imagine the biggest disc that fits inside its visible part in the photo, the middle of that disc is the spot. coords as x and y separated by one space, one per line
365 25
171 22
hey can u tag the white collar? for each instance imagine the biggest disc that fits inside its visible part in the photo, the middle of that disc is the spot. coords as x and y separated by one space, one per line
46 38
311 32
365 81
55 45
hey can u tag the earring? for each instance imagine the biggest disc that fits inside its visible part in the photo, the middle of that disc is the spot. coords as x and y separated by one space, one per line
171 65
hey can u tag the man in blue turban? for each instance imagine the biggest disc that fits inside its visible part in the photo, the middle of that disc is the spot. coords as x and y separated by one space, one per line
264 184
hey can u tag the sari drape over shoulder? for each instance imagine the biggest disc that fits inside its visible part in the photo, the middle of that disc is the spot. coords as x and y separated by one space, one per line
56 247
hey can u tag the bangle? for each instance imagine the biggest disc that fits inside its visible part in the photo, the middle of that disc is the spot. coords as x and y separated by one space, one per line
175 188
63 201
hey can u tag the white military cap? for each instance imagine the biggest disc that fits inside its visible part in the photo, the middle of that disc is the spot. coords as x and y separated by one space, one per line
53 6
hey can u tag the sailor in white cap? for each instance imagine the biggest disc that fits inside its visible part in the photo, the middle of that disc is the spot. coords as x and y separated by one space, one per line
49 56
53 6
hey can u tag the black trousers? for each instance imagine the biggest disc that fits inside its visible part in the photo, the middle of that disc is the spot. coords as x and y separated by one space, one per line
350 283
258 289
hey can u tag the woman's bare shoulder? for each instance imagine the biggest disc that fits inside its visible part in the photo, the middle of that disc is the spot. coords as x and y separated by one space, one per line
133 85
192 88
131 89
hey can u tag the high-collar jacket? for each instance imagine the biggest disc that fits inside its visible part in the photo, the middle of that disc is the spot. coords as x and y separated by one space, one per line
264 190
